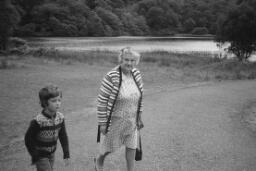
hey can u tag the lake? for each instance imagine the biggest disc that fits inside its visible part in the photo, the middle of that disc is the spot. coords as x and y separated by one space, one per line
140 44
137 43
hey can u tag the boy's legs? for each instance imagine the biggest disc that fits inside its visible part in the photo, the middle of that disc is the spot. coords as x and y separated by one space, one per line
51 160
45 164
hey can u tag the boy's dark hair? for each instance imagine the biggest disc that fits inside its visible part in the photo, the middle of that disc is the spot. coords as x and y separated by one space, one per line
48 92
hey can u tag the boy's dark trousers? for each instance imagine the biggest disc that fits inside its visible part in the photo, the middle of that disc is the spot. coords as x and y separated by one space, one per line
45 164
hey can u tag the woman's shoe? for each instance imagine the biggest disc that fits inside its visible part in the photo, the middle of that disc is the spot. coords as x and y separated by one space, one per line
96 167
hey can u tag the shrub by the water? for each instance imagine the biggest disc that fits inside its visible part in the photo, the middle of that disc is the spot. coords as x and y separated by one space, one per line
17 42
200 30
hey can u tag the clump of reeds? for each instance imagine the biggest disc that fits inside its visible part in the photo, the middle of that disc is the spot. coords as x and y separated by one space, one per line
4 63
174 59
200 66
90 57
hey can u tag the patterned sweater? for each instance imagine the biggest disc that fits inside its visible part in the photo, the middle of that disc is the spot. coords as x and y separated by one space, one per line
108 93
43 133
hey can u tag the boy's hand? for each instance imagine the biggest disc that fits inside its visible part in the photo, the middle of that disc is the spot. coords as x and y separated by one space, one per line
66 162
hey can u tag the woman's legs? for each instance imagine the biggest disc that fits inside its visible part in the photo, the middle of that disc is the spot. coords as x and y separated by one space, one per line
100 160
130 158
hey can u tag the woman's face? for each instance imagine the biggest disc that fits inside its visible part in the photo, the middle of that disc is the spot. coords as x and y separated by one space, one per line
128 62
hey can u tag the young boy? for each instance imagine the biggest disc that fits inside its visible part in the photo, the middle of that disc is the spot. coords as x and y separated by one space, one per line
45 129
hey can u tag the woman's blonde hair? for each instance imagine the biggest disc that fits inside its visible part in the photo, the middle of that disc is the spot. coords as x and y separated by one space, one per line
127 50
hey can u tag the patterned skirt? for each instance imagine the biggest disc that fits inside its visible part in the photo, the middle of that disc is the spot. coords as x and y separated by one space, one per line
121 132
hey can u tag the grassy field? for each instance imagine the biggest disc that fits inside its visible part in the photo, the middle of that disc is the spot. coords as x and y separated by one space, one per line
79 74
23 75
197 66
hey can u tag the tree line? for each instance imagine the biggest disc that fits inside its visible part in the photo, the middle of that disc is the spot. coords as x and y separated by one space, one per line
118 17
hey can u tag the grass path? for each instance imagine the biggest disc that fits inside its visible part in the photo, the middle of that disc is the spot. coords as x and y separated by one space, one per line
195 127
199 129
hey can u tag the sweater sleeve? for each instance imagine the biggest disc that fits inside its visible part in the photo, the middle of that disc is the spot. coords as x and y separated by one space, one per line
30 139
139 82
64 140
141 101
103 97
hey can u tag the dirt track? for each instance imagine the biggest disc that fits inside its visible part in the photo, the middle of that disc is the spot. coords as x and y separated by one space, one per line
191 128
196 128
199 129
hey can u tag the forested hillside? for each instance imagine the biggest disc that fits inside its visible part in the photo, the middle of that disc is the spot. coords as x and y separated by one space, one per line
118 17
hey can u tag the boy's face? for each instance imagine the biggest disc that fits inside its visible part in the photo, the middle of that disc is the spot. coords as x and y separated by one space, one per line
54 104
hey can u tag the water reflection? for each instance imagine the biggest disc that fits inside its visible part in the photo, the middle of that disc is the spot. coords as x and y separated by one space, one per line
138 43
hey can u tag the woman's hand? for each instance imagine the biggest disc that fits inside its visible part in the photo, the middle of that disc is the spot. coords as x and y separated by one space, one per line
103 129
140 124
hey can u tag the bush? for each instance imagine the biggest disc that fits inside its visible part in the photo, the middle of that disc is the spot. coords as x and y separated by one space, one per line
26 30
62 29
45 52
200 31
3 63
16 42
17 46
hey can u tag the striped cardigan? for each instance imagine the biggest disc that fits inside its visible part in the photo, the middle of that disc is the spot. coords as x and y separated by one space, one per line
108 94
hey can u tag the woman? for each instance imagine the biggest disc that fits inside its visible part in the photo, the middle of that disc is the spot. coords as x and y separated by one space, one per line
119 109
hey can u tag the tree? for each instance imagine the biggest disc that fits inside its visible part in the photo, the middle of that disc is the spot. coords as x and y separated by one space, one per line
117 4
143 6
239 29
156 18
27 7
111 20
9 17
134 24
189 24
95 25
91 3
200 30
